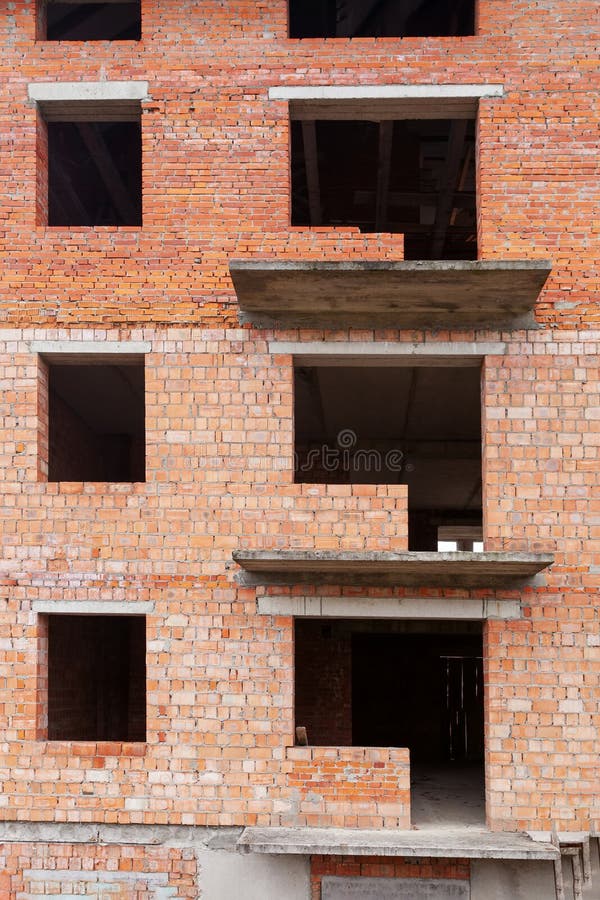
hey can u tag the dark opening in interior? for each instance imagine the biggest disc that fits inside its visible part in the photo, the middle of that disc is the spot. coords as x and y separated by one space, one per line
96 678
374 683
96 423
113 21
419 426
94 173
414 177
381 18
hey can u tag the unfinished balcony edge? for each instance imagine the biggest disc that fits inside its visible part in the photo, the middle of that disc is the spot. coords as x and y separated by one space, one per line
444 844
409 568
403 293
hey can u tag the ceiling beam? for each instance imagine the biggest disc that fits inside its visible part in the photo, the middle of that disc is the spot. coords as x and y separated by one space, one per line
462 199
311 165
384 165
456 141
109 173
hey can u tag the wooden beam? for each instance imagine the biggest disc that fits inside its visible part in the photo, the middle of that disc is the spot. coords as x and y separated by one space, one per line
109 173
384 165
311 165
456 141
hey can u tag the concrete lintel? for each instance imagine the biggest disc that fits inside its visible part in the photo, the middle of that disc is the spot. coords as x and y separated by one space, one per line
86 91
384 91
89 101
388 353
93 607
390 608
97 833
461 843
89 352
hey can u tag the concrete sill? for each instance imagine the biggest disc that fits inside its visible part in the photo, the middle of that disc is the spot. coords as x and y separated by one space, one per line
406 568
407 293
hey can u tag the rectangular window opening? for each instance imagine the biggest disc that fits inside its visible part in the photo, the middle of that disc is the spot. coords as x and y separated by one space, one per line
410 176
85 21
96 422
94 175
415 684
381 18
419 426
96 678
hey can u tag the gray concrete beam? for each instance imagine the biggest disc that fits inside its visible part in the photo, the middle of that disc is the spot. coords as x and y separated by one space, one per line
388 353
390 608
93 607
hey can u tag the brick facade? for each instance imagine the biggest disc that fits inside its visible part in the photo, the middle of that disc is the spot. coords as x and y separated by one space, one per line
220 434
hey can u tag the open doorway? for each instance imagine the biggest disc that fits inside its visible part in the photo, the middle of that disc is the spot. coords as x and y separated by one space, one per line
415 684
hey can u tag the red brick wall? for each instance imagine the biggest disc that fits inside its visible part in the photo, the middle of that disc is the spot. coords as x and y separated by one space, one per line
75 870
219 410
383 867
323 683
350 787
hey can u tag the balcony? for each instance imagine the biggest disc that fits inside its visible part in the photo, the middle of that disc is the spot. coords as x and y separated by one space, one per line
390 293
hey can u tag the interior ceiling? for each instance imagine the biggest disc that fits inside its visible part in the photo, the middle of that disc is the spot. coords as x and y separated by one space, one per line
109 399
408 404
381 18
93 21
415 177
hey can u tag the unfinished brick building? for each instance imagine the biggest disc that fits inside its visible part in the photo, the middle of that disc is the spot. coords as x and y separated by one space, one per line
301 407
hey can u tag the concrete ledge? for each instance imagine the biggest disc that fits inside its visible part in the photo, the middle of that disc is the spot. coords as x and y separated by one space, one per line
401 568
90 352
93 607
99 101
405 293
390 608
387 353
99 833
457 844
385 101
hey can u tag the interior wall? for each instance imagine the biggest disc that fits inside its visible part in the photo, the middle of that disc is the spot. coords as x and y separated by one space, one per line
322 671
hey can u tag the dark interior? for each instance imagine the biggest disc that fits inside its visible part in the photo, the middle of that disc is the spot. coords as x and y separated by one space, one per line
93 21
419 426
381 18
94 173
392 684
414 177
96 423
96 678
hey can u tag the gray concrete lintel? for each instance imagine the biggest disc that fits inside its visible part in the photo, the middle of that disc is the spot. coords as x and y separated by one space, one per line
443 844
74 352
89 101
389 608
388 353
93 607
98 833
384 91
86 91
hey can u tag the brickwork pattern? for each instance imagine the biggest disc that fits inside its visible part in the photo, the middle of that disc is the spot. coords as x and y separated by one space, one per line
383 867
33 870
219 411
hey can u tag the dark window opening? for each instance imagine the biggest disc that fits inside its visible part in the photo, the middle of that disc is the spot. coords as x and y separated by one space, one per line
414 684
381 18
72 21
415 177
419 426
94 173
96 678
96 423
